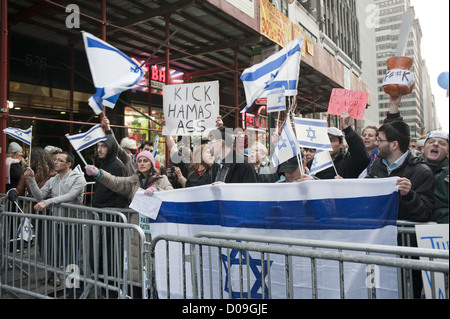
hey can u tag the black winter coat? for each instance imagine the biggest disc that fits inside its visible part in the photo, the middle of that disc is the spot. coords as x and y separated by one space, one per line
239 171
348 164
103 196
418 204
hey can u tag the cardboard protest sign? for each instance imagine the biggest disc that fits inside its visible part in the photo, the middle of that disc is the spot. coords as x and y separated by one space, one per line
433 237
190 109
353 102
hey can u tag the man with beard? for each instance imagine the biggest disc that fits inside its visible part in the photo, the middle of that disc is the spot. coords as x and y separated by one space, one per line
416 182
436 153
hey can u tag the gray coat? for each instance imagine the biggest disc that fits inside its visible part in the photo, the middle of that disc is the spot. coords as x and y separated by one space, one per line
69 189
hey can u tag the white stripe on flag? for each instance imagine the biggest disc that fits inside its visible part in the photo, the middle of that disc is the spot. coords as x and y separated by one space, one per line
84 140
278 70
112 72
22 135
312 133
358 211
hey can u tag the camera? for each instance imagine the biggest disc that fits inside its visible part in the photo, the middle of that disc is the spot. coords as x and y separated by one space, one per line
172 174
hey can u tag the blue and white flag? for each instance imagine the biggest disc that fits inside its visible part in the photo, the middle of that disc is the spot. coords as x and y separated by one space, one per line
347 210
276 100
78 169
22 135
278 70
312 133
84 140
322 160
112 72
287 146
25 230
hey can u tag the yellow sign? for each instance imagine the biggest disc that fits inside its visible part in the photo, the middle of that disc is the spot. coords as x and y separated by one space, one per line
296 32
274 25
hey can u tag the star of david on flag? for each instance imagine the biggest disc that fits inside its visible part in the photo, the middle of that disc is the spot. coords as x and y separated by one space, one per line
25 230
231 265
287 146
112 72
312 133
279 70
276 100
84 140
22 135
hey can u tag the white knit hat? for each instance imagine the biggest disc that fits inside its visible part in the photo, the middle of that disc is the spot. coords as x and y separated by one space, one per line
14 147
128 143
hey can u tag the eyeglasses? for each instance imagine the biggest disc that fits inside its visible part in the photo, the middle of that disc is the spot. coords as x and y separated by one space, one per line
380 140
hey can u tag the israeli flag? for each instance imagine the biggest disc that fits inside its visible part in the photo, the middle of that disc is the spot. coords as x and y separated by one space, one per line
276 100
322 160
279 70
25 231
22 135
287 146
79 170
312 133
347 210
112 72
84 140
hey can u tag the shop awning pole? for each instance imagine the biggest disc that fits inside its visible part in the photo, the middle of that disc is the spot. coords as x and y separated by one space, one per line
3 89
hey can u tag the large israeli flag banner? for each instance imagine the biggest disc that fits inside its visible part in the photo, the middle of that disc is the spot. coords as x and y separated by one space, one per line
278 70
84 140
312 133
356 211
112 72
22 135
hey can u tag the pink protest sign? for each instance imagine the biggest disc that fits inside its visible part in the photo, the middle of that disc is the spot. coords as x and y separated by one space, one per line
353 102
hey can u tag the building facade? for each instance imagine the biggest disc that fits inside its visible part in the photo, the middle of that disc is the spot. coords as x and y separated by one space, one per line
418 106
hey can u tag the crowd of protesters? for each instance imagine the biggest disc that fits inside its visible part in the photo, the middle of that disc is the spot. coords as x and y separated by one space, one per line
119 169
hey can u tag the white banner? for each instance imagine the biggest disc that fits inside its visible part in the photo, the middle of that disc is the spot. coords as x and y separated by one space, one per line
190 109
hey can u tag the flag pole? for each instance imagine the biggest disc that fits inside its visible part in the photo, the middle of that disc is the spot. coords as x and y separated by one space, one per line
31 142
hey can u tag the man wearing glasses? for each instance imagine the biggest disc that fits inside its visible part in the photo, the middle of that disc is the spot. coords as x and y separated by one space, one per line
416 182
66 187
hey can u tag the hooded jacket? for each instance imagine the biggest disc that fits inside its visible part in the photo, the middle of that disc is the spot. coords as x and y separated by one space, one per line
103 196
417 205
68 189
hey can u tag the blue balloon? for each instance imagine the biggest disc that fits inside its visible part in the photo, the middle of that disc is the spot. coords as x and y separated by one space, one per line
443 80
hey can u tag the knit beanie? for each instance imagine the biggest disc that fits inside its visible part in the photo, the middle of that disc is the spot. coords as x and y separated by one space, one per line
14 147
146 154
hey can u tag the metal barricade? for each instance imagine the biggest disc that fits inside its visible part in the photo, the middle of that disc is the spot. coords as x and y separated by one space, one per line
200 262
62 253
